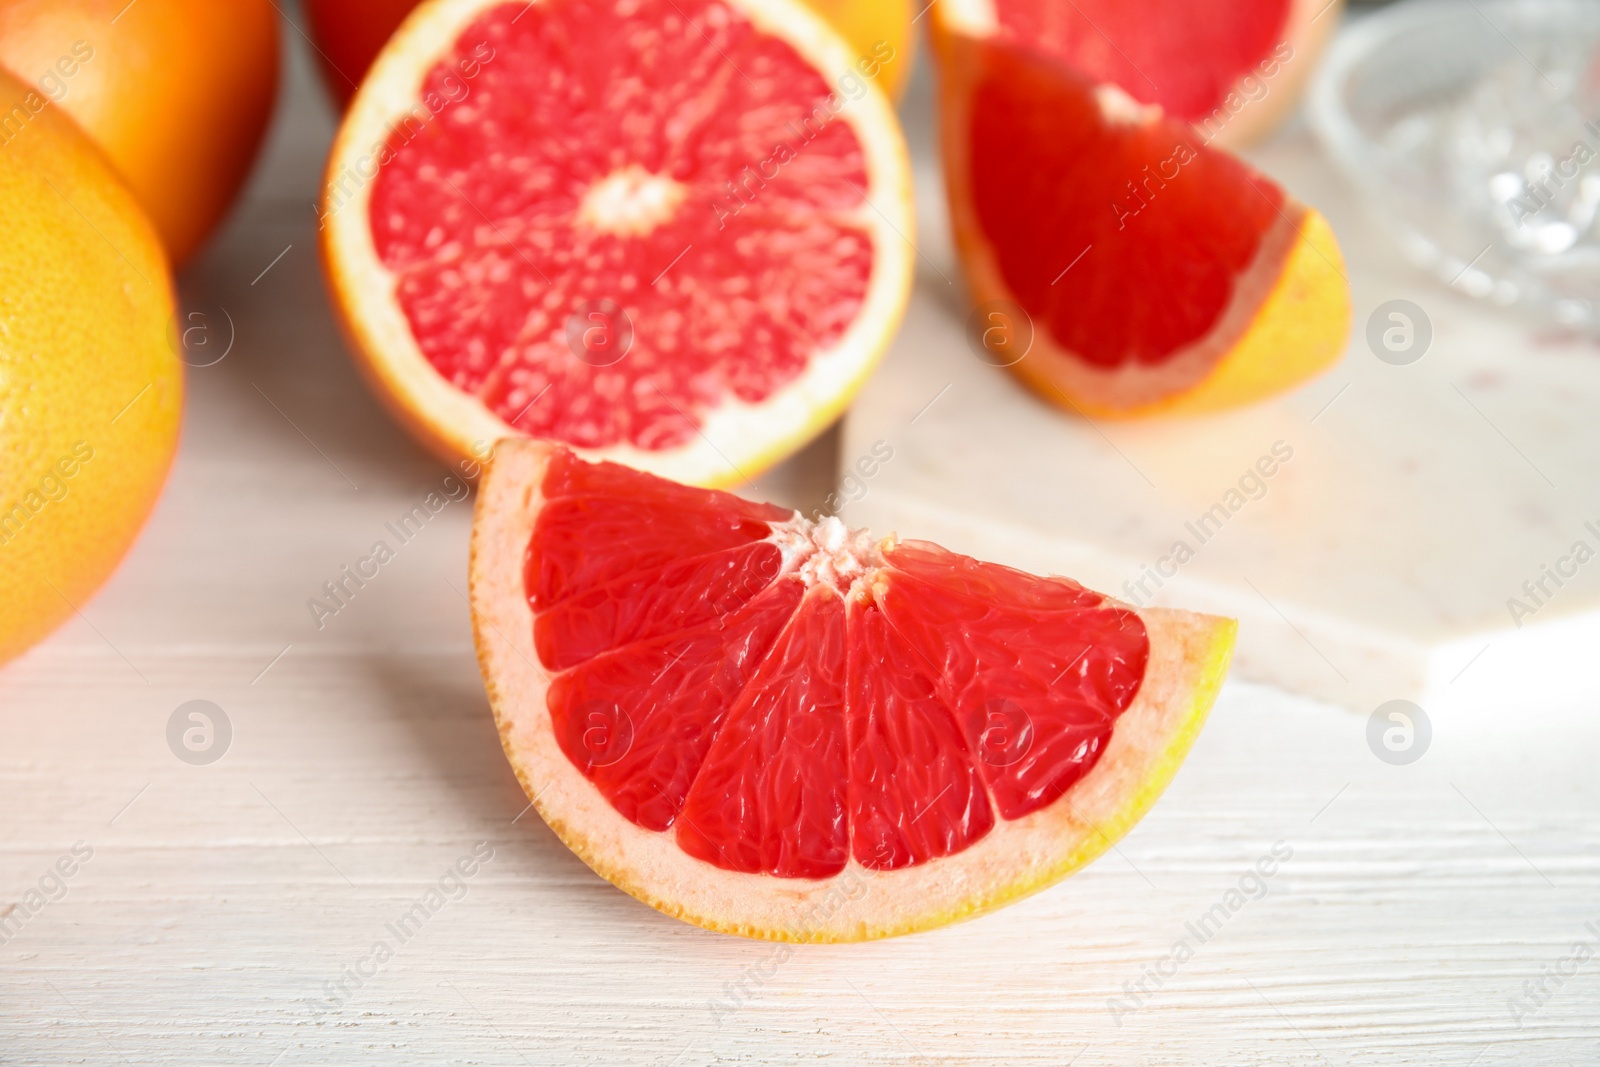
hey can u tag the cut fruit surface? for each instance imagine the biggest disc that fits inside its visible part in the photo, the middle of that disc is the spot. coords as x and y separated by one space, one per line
1234 69
1157 275
671 233
780 728
349 34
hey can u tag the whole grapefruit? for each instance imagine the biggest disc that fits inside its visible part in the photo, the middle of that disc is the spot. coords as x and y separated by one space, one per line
177 93
90 391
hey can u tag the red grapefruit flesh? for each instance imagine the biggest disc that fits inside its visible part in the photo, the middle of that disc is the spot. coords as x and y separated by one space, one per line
1158 275
349 34
1232 69
783 729
673 233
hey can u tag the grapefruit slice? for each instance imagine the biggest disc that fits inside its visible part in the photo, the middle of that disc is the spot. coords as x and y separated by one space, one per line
1152 274
1234 69
783 729
672 233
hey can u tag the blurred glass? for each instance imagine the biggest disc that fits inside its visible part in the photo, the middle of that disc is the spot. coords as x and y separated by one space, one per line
1474 128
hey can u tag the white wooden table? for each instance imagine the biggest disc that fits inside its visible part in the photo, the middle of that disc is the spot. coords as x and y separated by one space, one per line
223 902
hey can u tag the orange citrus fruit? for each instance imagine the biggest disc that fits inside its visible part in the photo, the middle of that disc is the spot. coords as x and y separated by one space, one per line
781 728
350 33
176 92
90 391
1234 70
1122 266
879 29
669 233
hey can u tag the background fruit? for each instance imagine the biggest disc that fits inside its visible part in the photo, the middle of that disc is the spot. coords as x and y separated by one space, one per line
350 33
1233 68
90 391
567 222
868 24
1153 273
176 92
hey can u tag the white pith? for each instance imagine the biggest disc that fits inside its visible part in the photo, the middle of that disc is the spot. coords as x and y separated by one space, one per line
975 18
735 440
1063 376
827 552
631 201
1014 859
1116 106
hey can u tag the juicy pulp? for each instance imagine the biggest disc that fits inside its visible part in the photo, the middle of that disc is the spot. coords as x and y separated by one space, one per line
616 217
783 695
1123 235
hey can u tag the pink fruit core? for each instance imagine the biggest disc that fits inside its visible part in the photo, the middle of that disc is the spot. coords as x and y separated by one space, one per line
606 218
785 696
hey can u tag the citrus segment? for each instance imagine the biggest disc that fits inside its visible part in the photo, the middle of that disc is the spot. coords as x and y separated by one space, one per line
771 797
662 230
589 538
1137 198
1145 262
1233 70
177 93
1036 690
833 713
654 603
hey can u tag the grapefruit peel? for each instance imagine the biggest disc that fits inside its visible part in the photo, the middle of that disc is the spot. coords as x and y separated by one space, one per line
1189 657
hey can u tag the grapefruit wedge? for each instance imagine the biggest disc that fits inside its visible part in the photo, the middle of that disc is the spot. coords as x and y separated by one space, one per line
1234 69
784 729
672 233
1151 273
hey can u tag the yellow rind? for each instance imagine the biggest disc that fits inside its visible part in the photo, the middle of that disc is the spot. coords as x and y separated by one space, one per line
1300 330
1289 318
1214 670
1310 26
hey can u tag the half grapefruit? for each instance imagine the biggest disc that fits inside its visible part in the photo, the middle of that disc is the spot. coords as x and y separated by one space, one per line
783 729
1233 69
672 233
1120 265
